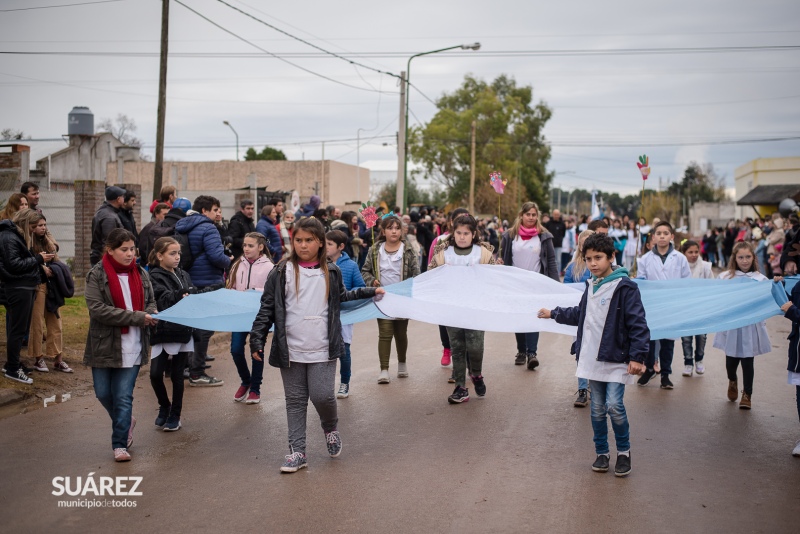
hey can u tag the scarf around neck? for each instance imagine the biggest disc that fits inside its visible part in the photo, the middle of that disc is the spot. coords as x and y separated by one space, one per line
527 233
113 269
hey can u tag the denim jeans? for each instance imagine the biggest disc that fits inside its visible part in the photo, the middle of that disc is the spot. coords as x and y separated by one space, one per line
346 365
18 319
607 399
528 342
665 354
583 383
113 387
699 348
238 340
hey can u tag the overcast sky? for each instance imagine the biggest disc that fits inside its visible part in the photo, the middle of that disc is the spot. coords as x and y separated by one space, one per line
643 100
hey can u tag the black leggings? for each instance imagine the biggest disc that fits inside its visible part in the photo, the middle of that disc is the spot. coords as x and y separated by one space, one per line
157 367
444 337
732 364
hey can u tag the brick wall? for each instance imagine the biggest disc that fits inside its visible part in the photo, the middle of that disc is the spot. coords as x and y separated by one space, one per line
89 195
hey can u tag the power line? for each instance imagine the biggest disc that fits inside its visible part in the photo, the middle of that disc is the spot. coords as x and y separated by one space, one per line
59 5
270 53
688 104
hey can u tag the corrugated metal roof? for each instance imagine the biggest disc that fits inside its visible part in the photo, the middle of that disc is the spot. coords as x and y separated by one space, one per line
764 195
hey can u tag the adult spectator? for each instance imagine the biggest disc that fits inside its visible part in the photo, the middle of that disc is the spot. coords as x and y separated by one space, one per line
159 212
322 216
307 210
106 219
774 239
241 224
207 270
558 228
790 257
333 213
167 195
15 203
126 214
31 192
266 227
20 273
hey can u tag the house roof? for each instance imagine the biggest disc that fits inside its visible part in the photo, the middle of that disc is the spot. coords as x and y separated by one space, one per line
765 195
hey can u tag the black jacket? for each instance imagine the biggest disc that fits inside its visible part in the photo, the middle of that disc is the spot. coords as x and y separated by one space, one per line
626 336
558 229
106 219
547 256
129 223
239 226
273 312
19 267
59 287
793 314
169 289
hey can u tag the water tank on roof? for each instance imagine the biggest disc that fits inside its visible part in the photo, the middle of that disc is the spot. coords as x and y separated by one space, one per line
81 121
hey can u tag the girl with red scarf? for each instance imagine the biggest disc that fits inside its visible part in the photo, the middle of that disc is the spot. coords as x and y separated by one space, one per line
120 299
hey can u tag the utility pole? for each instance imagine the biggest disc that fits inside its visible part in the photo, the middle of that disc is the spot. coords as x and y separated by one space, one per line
472 174
162 99
401 146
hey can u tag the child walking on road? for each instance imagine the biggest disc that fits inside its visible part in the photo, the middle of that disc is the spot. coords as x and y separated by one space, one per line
791 310
699 269
301 299
611 346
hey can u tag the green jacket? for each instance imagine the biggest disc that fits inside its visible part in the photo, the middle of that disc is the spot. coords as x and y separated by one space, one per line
410 264
104 342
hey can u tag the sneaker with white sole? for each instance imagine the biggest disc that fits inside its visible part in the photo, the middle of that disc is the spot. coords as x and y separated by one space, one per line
334 442
796 450
20 376
344 391
294 462
688 370
383 378
63 367
700 368
241 393
402 370
253 398
41 366
173 424
205 381
121 454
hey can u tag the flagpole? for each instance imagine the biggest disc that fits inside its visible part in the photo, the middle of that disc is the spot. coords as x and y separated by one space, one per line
644 168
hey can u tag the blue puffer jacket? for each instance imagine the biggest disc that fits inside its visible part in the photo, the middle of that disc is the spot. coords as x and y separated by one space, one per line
210 260
351 274
274 242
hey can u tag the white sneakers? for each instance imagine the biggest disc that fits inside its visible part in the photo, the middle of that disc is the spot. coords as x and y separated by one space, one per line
383 378
796 451
700 368
688 370
402 370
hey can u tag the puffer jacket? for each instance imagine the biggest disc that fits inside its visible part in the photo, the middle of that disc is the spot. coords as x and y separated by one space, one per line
547 256
19 267
106 219
267 228
169 288
104 342
246 276
410 263
273 312
210 260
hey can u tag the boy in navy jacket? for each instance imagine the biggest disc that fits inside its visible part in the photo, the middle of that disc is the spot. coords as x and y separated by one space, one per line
613 342
792 312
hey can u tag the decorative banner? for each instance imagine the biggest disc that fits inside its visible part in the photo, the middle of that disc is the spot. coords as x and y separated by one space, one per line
369 215
644 166
498 183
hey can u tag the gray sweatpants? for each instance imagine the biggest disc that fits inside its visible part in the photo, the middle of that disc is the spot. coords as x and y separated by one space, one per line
304 381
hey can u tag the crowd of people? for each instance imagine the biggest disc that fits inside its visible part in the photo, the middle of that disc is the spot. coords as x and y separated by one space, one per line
306 263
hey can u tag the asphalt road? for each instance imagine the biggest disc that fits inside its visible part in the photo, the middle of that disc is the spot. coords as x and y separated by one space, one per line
517 460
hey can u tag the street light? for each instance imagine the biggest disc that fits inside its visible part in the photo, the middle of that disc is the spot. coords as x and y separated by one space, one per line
226 123
473 46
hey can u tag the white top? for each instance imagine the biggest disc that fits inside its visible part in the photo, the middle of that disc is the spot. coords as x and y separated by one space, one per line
597 305
747 341
132 341
527 254
171 348
391 265
701 269
473 258
630 246
582 227
307 316
651 268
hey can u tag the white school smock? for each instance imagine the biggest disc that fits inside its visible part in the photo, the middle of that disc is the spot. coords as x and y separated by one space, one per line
597 306
171 348
527 254
473 258
307 316
132 341
747 341
630 245
676 266
701 269
391 265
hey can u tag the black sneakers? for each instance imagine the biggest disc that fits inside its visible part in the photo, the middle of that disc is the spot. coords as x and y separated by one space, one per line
459 395
520 358
666 383
601 464
163 414
533 363
623 467
582 399
480 386
646 376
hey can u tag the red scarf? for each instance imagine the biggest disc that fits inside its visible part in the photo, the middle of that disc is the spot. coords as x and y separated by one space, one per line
527 233
113 268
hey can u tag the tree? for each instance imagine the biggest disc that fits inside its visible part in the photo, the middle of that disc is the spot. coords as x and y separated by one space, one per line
268 154
12 134
699 184
432 197
508 139
123 128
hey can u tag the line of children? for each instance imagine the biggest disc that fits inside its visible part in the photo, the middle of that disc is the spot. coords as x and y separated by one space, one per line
662 262
335 242
390 261
611 347
699 269
249 273
465 248
578 272
743 344
302 300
